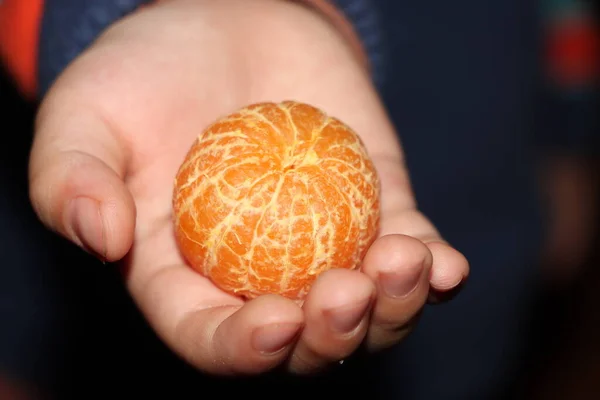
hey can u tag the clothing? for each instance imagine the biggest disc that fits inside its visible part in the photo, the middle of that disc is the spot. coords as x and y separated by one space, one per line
462 84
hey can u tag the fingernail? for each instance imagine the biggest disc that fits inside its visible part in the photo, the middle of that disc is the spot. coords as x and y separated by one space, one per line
271 339
346 318
400 285
86 222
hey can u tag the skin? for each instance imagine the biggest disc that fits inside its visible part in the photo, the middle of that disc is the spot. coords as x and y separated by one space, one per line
115 126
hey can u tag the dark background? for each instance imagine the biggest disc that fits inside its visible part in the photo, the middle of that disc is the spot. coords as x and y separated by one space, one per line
69 330
67 325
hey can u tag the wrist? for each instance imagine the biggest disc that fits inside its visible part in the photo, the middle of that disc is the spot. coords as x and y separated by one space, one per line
229 53
69 31
338 20
327 10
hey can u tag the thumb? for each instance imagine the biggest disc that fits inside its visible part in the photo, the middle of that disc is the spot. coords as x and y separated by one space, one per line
76 179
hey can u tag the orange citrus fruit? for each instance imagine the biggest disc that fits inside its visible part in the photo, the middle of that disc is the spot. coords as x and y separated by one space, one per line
271 196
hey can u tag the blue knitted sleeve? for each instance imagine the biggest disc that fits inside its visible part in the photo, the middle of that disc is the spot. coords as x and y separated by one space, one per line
68 27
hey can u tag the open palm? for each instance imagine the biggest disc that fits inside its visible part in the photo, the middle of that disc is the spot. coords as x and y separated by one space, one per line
115 127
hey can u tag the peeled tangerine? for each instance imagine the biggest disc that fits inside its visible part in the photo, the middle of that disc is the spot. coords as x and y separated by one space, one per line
273 195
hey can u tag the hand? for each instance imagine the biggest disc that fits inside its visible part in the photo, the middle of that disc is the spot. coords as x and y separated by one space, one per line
114 128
